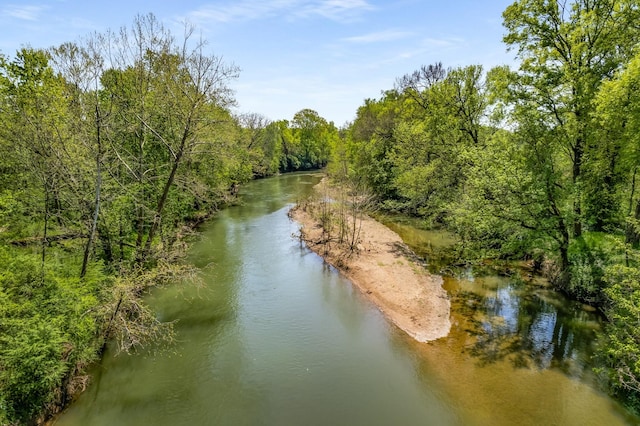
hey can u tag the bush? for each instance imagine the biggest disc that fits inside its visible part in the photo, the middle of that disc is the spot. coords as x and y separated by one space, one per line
588 259
32 365
622 349
48 330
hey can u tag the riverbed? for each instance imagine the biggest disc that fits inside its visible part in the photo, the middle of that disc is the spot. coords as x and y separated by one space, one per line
277 337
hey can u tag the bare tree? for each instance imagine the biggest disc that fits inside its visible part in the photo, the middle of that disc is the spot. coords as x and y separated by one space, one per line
416 84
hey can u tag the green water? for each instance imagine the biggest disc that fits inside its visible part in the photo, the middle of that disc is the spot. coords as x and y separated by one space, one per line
275 337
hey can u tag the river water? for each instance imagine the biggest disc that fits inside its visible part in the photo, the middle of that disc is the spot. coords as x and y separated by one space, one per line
276 337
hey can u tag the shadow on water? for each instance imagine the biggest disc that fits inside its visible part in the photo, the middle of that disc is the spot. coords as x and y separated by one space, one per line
527 324
512 340
277 337
530 328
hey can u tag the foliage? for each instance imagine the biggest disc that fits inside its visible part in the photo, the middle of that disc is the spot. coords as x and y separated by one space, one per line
372 140
622 351
110 149
539 163
49 330
618 111
106 158
568 49
313 138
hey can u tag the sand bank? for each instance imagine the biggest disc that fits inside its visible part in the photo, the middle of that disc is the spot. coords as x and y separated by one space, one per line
383 269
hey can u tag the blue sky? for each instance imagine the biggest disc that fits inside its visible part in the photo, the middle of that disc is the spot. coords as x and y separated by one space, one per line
327 55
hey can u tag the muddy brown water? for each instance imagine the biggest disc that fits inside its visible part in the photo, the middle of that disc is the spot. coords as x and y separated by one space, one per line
276 337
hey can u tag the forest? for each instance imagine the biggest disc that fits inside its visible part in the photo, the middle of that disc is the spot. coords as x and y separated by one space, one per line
113 148
538 163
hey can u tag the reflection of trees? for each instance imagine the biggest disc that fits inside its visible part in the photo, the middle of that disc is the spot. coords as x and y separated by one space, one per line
529 330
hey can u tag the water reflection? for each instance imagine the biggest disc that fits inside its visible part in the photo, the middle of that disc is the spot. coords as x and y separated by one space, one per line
512 341
278 338
527 326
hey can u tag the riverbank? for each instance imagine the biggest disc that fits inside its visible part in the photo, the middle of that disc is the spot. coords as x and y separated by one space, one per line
386 272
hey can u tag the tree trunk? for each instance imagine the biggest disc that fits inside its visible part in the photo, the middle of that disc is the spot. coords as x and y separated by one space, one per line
633 234
46 230
564 277
578 151
105 238
121 239
141 194
167 186
161 202
96 212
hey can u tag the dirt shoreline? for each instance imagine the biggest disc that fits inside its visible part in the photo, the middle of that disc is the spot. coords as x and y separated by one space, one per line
383 270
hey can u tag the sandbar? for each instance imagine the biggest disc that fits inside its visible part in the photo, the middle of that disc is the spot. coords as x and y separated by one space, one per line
384 269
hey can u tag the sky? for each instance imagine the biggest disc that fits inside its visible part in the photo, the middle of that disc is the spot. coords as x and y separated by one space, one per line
326 55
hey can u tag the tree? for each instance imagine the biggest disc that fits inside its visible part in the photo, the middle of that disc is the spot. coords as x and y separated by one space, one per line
622 351
567 49
436 142
167 99
314 134
83 67
123 134
189 102
417 85
279 135
618 109
372 141
261 143
37 111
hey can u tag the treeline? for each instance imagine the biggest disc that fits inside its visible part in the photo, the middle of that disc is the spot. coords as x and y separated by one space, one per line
111 148
539 163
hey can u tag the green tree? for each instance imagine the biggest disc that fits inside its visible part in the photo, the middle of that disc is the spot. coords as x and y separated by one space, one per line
263 147
36 115
436 143
82 68
109 147
167 101
567 49
314 135
372 142
618 109
279 135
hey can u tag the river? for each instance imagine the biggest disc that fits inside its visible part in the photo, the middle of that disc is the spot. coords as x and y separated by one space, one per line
276 337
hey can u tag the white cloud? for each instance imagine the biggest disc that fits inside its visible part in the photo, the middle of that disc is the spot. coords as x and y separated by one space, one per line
248 10
442 42
83 24
24 12
245 10
380 36
432 48
336 10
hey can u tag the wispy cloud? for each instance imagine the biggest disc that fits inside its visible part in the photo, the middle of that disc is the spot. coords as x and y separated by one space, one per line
380 36
24 12
336 10
424 49
248 10
442 42
429 47
84 24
